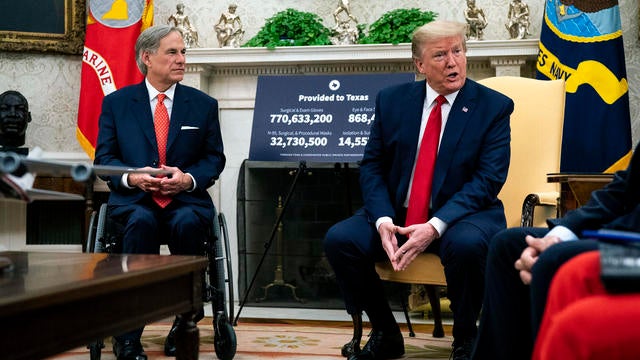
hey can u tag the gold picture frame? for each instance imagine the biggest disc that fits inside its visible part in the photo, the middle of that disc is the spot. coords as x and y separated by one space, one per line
69 42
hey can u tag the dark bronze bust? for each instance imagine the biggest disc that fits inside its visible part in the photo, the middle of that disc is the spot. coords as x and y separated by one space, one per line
14 118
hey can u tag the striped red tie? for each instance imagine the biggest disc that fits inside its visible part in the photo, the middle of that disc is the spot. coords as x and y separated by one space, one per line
418 209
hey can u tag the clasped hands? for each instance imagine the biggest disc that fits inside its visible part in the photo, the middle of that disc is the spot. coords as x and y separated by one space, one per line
169 185
419 237
530 255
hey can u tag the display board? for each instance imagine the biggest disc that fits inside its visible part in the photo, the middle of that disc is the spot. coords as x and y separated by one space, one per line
316 118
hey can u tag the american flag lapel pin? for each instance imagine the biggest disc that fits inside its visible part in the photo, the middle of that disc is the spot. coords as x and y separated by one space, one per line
465 109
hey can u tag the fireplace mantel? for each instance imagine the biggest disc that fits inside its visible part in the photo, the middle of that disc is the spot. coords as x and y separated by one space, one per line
230 74
215 59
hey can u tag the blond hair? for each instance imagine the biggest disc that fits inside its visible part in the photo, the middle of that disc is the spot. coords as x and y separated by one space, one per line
435 30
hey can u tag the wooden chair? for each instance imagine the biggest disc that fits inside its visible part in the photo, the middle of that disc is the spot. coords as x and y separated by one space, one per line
536 138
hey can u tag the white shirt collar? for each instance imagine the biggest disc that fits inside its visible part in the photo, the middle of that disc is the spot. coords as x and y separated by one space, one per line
432 95
153 93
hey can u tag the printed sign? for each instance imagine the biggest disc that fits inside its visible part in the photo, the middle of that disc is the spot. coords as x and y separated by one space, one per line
320 118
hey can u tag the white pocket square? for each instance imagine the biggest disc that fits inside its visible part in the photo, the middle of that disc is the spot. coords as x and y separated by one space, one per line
189 128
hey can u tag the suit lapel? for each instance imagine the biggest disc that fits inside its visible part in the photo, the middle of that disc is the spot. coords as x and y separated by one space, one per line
412 120
142 114
179 112
411 131
458 119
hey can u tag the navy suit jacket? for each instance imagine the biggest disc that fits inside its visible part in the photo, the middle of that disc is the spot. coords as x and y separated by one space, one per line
472 161
127 138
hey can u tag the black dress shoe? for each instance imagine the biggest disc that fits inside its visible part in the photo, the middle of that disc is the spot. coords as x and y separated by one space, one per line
462 349
170 341
128 350
381 346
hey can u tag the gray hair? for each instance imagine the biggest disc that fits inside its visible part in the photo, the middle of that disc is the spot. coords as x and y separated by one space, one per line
149 41
436 30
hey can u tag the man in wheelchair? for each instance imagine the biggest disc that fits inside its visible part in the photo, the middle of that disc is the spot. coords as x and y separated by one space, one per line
172 133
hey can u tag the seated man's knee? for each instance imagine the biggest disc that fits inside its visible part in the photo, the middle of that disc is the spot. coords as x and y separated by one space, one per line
334 238
556 255
139 229
187 218
348 236
143 219
502 240
190 225
511 242
465 242
188 229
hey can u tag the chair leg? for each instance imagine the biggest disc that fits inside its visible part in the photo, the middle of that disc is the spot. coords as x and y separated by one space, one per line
403 302
434 300
353 346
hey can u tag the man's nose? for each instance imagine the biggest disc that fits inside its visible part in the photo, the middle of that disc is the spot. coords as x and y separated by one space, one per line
451 59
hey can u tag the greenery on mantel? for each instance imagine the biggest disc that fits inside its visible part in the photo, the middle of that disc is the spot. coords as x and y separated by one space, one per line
297 28
397 26
291 28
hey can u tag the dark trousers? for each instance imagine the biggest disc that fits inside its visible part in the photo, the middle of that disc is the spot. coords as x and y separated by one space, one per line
512 311
184 228
352 247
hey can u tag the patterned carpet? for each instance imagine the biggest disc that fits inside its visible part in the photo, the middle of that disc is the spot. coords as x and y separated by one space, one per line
309 340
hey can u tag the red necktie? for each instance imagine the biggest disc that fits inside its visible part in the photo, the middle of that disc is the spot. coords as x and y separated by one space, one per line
418 210
161 122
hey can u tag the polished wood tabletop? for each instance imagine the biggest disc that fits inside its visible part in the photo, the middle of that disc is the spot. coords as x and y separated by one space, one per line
51 302
576 188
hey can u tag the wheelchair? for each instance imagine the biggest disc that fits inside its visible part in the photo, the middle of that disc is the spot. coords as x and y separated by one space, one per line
104 236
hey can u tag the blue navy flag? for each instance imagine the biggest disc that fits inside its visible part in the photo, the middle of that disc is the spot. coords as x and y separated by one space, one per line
582 44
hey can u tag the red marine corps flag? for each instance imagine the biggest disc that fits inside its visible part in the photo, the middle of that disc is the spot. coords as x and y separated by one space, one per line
108 59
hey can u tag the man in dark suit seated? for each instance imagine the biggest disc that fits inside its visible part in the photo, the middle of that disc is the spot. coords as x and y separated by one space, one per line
411 205
189 147
515 298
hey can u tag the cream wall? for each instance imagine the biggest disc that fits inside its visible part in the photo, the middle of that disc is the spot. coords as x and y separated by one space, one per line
51 82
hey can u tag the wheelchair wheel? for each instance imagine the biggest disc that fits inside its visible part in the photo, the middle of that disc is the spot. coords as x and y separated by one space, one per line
100 238
224 338
229 278
221 289
95 244
91 233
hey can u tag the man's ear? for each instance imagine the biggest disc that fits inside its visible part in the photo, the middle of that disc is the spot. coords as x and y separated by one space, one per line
145 57
419 65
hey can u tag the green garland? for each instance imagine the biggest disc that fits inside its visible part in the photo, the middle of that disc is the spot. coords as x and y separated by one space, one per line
397 26
291 28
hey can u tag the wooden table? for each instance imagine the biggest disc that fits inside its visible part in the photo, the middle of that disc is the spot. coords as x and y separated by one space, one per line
576 188
53 302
